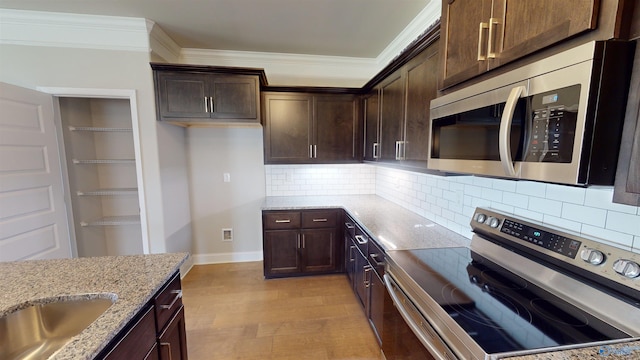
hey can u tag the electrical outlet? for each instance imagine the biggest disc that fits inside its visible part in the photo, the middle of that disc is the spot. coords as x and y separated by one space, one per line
227 234
226 177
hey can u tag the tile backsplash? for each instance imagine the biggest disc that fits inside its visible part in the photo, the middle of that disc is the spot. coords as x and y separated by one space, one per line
450 201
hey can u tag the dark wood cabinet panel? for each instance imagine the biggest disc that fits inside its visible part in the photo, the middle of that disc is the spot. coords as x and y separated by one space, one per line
335 128
173 340
319 250
480 35
391 117
371 125
137 342
421 88
377 293
313 246
189 95
627 183
303 128
281 253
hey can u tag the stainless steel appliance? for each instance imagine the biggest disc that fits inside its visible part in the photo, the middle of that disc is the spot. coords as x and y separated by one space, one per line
521 288
557 120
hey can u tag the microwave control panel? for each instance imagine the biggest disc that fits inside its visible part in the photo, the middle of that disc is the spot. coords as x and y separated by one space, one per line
552 127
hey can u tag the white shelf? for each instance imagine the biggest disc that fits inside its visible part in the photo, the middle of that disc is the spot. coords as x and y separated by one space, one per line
104 161
113 221
99 129
109 192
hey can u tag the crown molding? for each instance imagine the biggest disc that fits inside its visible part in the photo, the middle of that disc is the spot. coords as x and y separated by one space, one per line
38 28
162 44
424 20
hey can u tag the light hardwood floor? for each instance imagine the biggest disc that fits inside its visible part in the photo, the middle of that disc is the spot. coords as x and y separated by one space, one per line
232 312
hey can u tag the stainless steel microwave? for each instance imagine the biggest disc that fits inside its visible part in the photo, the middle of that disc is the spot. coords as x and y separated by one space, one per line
556 120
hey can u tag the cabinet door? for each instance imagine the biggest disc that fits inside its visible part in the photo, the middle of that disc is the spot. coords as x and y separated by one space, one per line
182 95
281 252
464 38
319 250
360 276
138 342
371 126
234 97
421 88
288 122
376 304
336 122
522 27
173 340
391 117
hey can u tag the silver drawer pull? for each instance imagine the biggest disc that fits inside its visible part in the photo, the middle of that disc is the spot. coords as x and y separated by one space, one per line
349 226
283 221
361 240
374 259
167 345
319 220
178 296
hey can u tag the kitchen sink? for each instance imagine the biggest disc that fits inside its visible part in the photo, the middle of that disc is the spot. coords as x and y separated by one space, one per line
39 330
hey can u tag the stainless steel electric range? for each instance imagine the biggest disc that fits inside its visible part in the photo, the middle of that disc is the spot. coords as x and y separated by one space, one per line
521 288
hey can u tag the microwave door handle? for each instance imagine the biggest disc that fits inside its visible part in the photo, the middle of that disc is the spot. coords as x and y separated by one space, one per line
505 129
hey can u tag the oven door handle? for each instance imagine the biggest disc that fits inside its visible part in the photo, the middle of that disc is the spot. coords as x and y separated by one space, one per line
410 322
504 141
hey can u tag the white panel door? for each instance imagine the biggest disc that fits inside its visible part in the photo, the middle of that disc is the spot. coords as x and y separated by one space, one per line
33 216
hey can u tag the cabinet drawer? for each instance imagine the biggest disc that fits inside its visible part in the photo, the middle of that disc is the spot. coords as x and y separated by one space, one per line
275 220
376 257
167 302
319 219
349 226
138 341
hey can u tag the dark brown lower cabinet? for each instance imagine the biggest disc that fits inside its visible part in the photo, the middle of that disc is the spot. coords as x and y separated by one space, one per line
157 332
301 242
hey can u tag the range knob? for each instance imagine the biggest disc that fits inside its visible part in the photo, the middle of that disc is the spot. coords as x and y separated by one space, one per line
480 217
493 222
592 256
627 268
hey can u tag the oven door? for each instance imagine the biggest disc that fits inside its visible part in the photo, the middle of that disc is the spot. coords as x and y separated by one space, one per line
482 134
406 334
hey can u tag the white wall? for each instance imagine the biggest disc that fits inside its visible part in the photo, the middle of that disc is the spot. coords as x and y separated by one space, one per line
216 204
35 66
450 201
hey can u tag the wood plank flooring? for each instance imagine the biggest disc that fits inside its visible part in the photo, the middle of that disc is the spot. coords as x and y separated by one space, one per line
232 312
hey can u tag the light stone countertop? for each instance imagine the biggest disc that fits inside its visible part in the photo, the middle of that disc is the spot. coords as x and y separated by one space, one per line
396 228
132 280
392 226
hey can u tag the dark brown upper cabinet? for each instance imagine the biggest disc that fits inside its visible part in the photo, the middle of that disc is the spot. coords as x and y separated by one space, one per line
481 35
304 128
397 112
197 95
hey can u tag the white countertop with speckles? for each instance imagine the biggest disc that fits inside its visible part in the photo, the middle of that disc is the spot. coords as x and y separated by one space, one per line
392 226
132 280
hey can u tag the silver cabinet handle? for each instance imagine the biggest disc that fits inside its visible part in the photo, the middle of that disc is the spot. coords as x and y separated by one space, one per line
206 105
319 220
211 103
349 225
167 345
367 273
351 258
361 240
483 26
178 296
490 51
315 151
375 150
304 243
311 151
285 221
298 241
374 259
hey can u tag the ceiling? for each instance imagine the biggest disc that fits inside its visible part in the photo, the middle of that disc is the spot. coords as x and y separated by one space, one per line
351 28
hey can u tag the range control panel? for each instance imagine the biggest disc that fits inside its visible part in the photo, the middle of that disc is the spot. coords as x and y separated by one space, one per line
548 240
595 256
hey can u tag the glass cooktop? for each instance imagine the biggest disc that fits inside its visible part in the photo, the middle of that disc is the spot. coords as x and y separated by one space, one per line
499 310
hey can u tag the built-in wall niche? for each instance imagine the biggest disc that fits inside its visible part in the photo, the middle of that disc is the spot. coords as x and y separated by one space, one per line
101 166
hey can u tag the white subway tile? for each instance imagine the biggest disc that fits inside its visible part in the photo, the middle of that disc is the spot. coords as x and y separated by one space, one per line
472 190
601 197
626 223
502 207
515 199
528 214
564 193
491 194
584 214
482 181
531 188
504 185
545 206
562 223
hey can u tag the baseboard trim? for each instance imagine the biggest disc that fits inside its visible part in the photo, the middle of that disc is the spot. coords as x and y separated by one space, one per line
203 259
